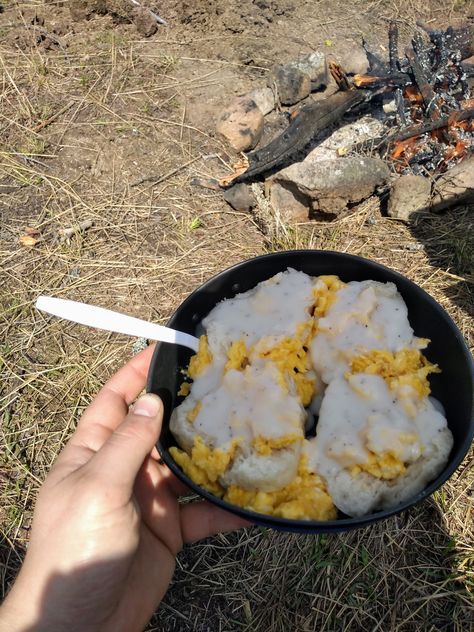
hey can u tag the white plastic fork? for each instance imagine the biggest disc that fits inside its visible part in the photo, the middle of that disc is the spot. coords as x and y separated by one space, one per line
102 318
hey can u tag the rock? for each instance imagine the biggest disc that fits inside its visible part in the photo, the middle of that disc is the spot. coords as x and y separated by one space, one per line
240 197
455 187
333 184
82 9
315 66
291 205
354 61
344 137
241 123
144 21
264 98
409 194
292 84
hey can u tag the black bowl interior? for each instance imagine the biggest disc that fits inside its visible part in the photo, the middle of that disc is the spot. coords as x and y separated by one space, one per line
453 387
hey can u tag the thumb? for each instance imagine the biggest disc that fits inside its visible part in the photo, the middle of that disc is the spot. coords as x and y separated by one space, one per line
124 452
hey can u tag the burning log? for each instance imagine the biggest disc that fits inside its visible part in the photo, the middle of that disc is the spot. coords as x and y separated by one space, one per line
418 130
390 80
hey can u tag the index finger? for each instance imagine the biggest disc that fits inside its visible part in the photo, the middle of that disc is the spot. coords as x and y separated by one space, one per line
110 406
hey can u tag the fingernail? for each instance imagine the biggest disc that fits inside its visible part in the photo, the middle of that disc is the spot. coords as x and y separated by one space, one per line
147 406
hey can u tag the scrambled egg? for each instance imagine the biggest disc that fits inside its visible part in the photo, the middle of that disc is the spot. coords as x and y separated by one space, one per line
201 359
408 367
386 466
290 356
306 497
326 295
184 389
205 464
191 416
265 445
237 356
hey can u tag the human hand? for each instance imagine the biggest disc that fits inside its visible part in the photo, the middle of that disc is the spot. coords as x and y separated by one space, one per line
107 524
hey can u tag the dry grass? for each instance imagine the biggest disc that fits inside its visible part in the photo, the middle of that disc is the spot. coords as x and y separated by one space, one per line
78 127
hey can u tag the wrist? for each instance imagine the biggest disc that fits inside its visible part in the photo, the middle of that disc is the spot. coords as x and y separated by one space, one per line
21 609
16 615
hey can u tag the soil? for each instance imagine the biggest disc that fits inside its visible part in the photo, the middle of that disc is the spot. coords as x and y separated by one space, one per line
100 123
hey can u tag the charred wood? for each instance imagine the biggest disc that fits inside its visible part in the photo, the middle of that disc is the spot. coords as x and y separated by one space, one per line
422 82
461 39
393 47
389 80
307 124
395 68
423 55
418 130
339 76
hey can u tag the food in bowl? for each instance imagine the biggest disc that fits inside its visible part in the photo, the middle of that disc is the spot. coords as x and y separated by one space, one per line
294 348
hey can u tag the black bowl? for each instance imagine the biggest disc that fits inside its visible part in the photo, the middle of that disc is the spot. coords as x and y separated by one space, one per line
453 387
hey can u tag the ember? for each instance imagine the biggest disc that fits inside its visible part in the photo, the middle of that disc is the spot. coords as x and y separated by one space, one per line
432 92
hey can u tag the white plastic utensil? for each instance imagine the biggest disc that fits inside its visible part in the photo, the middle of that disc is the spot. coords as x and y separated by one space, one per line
113 321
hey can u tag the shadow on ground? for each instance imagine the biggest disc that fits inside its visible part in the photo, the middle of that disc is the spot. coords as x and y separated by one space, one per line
448 240
400 574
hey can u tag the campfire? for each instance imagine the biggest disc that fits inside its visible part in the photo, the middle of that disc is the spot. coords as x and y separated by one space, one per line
432 100
428 105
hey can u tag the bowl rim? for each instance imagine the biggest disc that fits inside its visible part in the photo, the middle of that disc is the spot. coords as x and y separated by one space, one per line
341 524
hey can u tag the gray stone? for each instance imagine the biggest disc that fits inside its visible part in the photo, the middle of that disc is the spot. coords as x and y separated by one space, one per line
291 205
455 187
264 98
314 65
333 184
241 123
291 83
240 197
345 136
144 21
354 60
409 194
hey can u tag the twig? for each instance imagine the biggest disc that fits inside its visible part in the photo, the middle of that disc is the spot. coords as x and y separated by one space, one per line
52 118
64 234
28 158
158 179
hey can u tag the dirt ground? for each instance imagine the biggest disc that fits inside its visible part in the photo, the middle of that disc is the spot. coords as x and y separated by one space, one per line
100 124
